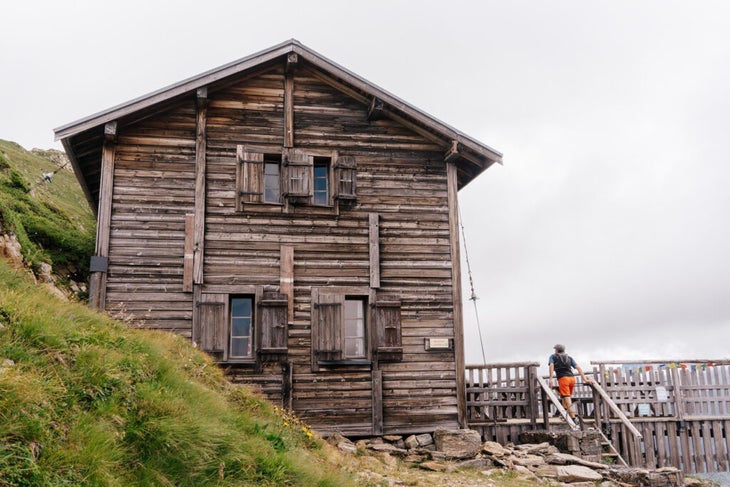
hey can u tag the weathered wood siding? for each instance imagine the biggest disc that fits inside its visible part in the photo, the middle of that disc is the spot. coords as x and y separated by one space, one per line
401 177
154 187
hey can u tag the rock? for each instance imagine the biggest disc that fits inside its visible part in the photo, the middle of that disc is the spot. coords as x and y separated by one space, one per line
347 447
392 438
413 458
433 466
411 442
528 460
566 458
547 471
424 439
493 448
544 448
10 249
387 459
387 448
577 473
456 444
44 273
475 463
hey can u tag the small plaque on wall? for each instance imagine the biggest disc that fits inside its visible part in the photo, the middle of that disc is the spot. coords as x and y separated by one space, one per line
439 344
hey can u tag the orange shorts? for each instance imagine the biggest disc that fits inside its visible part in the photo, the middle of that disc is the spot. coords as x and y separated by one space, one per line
566 386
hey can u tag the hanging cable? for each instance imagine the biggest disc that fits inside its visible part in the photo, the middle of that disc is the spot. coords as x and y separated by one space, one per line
473 296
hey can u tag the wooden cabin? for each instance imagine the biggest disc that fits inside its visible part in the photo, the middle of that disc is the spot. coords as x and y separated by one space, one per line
298 223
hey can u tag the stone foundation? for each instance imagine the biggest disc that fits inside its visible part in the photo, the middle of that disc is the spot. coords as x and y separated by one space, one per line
583 444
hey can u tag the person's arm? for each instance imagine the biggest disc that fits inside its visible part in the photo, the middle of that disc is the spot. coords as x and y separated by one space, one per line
583 376
552 371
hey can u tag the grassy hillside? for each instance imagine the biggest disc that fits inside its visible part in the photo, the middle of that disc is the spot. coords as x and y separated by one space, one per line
86 401
52 220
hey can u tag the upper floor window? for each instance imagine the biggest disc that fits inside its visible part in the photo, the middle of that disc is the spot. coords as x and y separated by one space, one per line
272 178
300 177
321 178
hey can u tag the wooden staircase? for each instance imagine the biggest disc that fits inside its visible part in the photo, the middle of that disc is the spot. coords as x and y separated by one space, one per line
610 454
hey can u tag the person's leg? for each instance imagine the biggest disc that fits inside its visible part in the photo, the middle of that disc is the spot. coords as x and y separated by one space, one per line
566 385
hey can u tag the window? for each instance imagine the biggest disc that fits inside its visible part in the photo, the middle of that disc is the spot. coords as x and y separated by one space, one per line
264 176
355 329
321 181
272 178
344 321
242 327
241 343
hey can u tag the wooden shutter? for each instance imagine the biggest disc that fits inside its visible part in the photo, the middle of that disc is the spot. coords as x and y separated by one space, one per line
213 324
387 321
249 177
272 323
346 178
299 174
327 319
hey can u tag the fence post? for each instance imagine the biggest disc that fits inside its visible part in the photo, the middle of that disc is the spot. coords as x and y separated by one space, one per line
530 378
678 401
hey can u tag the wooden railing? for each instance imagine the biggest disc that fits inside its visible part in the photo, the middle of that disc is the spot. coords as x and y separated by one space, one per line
696 389
501 392
656 413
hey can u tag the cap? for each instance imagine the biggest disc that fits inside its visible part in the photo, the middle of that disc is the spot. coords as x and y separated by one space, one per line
560 348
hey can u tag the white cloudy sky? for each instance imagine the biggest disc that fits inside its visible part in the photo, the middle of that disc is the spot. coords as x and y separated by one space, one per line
608 226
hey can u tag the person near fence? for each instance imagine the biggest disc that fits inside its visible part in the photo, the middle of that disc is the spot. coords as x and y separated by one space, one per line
561 365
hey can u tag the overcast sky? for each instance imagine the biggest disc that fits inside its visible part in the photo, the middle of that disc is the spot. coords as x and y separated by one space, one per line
608 226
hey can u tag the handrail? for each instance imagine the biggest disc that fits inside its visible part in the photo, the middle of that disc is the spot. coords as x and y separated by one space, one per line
615 409
556 402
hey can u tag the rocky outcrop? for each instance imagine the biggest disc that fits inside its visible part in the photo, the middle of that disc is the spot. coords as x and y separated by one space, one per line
10 249
449 450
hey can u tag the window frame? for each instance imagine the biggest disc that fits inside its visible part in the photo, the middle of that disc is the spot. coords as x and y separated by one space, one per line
213 325
270 160
346 321
252 317
322 162
328 326
297 168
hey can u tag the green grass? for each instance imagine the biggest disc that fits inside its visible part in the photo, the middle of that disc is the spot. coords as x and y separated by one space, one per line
52 220
86 401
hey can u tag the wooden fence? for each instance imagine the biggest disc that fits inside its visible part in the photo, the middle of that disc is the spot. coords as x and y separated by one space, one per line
681 408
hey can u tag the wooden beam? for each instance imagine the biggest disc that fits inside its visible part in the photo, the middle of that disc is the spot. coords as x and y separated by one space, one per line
188 255
292 60
200 170
452 183
453 152
375 111
97 282
374 245
377 381
110 131
286 277
289 110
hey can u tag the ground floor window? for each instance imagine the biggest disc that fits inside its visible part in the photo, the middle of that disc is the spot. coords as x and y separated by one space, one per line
241 338
355 328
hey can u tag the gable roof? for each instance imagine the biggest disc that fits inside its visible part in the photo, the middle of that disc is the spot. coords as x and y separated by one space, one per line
473 156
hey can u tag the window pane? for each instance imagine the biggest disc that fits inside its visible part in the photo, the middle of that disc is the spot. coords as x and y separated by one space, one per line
272 191
321 190
241 331
240 347
241 327
241 307
354 328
